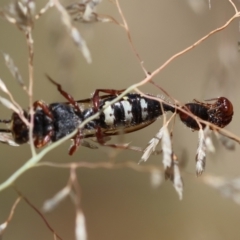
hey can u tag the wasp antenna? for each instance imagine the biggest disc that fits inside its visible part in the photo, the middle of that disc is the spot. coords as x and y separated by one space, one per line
51 80
5 121
196 101
211 99
65 94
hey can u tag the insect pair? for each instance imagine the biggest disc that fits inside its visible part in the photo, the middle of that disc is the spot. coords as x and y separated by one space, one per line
131 113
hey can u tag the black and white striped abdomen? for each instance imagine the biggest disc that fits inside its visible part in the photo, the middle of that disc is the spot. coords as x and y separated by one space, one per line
132 109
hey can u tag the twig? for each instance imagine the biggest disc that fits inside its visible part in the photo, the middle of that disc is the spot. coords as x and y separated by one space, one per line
38 212
125 25
5 224
106 165
30 88
234 6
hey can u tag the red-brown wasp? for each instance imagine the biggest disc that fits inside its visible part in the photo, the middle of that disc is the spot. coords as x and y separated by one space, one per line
218 113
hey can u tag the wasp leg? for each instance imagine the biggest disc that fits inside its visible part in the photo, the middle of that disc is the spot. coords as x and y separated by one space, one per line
211 99
96 103
76 142
39 142
100 136
96 98
202 103
65 94
44 107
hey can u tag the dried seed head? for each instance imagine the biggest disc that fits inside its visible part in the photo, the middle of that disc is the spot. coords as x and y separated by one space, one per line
156 178
225 141
3 87
8 138
9 105
166 147
229 188
85 12
50 204
201 153
208 140
177 180
73 32
13 69
3 227
152 146
22 12
80 228
173 173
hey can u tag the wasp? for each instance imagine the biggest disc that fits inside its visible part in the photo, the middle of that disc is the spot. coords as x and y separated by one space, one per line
219 113
56 120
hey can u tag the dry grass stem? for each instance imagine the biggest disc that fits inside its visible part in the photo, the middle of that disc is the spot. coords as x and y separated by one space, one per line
39 213
4 225
125 25
234 6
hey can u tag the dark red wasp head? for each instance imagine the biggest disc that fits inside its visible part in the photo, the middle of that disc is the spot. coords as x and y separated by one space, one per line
221 112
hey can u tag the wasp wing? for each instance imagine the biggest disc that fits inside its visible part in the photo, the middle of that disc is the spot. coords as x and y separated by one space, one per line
87 102
7 138
116 131
127 129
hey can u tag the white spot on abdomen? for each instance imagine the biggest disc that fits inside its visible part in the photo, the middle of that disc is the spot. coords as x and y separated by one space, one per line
127 111
144 107
109 115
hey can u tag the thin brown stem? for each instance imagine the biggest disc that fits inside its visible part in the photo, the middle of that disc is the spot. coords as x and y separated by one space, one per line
10 215
38 212
130 37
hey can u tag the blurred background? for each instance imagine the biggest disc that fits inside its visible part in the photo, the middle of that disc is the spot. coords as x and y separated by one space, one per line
122 204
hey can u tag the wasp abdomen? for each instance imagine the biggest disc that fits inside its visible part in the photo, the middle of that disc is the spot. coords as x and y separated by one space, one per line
132 109
197 109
